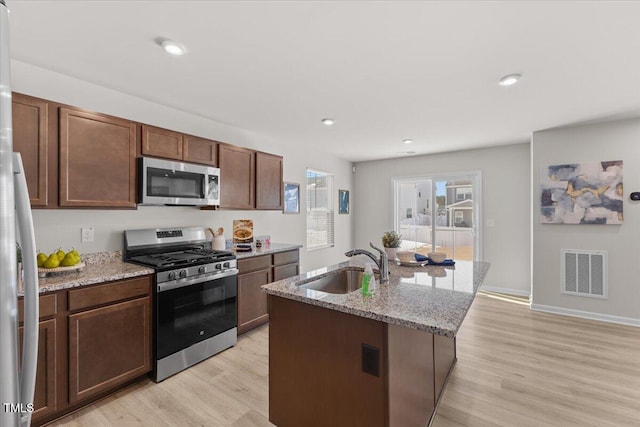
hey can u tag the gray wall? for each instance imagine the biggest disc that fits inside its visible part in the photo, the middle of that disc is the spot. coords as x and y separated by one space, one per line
505 200
55 228
589 143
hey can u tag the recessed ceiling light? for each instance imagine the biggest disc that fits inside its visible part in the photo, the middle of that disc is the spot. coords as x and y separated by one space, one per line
407 141
173 47
509 80
328 121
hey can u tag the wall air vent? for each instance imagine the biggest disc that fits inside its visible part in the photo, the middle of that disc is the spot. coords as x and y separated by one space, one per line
584 273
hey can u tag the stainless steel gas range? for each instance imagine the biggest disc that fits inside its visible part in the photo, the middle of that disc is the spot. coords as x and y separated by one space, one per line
195 295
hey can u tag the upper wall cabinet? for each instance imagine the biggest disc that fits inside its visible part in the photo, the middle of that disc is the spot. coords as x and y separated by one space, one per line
268 181
97 160
31 140
167 144
249 179
237 177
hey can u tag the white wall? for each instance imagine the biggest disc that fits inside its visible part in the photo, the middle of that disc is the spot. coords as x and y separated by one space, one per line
61 227
589 143
505 199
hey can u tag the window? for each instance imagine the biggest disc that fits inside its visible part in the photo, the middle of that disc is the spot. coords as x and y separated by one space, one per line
459 216
463 193
319 209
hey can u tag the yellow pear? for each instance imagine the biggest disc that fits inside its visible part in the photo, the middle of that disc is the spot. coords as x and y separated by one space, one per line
41 259
60 254
52 261
69 260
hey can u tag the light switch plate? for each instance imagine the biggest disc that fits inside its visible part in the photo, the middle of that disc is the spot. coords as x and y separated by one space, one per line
87 234
491 223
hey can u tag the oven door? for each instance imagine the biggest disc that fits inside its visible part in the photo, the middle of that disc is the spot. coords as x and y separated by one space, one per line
187 314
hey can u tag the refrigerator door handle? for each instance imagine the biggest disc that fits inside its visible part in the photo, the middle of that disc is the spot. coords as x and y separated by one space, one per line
31 298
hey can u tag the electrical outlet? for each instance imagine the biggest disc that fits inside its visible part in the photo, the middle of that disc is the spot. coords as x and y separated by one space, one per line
87 234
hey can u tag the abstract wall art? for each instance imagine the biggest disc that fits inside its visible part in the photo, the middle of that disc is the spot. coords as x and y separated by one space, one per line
582 193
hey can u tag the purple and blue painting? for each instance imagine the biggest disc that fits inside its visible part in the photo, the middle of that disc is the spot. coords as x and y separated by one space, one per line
582 193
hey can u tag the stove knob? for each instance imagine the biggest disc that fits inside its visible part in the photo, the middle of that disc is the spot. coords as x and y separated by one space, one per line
226 265
172 275
183 273
202 270
218 266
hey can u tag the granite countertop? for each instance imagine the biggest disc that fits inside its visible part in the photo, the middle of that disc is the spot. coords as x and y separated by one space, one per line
271 249
99 268
430 298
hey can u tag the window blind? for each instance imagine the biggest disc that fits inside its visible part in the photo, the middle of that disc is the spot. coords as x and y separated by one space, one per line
320 214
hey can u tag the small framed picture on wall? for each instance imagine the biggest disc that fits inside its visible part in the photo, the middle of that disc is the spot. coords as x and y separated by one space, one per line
343 201
291 198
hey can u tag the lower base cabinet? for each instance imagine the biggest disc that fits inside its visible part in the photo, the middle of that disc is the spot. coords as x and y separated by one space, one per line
108 346
255 272
92 341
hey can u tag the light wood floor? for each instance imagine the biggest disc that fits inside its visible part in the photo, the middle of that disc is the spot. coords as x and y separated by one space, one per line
515 367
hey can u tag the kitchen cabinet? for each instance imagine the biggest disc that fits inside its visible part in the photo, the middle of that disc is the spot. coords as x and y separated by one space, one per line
45 398
97 160
252 302
31 140
167 144
109 336
269 186
255 272
286 264
249 179
237 177
92 340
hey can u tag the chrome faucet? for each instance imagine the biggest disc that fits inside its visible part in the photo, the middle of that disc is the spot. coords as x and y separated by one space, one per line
382 263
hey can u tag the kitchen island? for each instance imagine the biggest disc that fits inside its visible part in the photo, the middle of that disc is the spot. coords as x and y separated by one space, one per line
380 360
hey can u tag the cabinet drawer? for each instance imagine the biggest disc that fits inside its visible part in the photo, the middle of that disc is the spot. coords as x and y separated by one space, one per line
254 263
48 307
286 257
109 293
283 271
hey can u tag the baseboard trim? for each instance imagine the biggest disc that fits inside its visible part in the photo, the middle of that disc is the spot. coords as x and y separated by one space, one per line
587 315
508 291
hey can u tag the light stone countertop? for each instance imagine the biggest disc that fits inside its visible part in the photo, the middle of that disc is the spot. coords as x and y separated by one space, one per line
414 297
99 267
271 249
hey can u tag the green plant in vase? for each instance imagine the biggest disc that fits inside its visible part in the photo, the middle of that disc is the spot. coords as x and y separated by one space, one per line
391 242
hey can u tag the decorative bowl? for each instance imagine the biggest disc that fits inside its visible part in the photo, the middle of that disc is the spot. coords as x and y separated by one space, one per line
437 257
406 256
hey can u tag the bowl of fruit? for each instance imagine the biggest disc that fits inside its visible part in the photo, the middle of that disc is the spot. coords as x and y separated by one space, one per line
59 262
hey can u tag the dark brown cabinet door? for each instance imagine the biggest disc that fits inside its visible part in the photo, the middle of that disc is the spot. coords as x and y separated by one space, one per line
268 181
108 346
31 139
200 150
44 398
237 177
97 160
252 301
283 271
161 143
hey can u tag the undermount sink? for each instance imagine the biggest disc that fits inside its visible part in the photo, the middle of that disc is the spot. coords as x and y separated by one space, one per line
341 282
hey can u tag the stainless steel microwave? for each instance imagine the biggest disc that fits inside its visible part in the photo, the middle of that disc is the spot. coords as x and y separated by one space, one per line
167 182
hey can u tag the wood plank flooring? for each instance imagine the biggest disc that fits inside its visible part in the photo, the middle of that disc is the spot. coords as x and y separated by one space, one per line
515 367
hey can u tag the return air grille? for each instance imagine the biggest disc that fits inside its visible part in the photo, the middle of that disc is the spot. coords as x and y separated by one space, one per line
584 273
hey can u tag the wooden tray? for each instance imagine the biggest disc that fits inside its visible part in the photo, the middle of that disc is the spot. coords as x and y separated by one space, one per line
44 272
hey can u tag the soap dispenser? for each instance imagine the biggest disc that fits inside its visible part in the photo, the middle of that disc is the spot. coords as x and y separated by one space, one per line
368 281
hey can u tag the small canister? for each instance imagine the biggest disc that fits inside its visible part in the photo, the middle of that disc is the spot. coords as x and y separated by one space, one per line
218 243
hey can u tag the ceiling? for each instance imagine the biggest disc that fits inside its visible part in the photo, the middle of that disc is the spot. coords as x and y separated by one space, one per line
385 71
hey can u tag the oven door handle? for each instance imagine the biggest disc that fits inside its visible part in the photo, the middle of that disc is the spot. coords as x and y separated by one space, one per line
181 283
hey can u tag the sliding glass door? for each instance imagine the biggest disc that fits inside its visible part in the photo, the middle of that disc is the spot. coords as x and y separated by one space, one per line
439 213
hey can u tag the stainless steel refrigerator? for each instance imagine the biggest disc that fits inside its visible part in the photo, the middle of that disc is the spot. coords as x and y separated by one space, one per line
17 380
